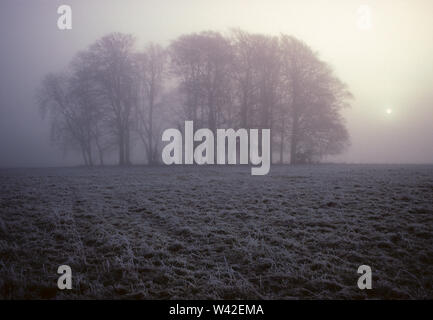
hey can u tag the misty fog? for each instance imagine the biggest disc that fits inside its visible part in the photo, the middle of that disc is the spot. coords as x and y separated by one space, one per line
387 67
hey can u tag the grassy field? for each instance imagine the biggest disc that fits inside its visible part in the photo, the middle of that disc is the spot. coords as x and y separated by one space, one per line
217 232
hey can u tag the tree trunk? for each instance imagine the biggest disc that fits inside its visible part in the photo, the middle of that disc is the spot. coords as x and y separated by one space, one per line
83 153
282 140
121 149
89 155
294 138
127 148
100 152
150 153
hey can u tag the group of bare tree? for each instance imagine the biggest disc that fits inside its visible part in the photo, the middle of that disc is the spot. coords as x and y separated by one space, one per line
113 94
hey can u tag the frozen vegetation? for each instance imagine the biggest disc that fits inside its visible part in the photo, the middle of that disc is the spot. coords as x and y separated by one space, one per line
217 232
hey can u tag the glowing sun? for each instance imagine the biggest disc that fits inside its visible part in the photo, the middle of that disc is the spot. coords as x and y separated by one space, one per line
388 111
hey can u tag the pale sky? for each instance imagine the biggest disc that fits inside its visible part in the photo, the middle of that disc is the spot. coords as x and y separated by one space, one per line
388 67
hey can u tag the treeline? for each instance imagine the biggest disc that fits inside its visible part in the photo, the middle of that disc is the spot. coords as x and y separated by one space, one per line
113 95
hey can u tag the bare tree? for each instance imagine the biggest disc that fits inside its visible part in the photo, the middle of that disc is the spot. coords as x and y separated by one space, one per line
267 61
85 90
71 119
243 72
150 66
201 63
110 61
314 101
186 66
111 91
256 74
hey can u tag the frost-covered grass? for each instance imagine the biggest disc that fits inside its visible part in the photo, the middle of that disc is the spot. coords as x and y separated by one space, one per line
217 232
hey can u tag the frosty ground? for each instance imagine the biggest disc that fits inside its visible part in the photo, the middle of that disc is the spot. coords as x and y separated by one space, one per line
217 232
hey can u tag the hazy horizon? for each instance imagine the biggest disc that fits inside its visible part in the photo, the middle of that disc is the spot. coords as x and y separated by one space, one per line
388 67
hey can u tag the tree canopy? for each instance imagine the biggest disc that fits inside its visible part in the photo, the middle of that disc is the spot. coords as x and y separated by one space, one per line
112 94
